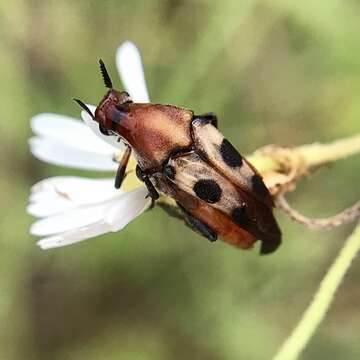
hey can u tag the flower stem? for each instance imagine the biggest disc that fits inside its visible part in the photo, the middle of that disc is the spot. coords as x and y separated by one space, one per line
316 311
312 155
318 154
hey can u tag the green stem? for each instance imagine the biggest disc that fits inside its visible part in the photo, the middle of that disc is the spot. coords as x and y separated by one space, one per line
316 311
312 154
318 154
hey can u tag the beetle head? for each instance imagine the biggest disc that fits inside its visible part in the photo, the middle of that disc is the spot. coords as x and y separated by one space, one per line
111 108
110 111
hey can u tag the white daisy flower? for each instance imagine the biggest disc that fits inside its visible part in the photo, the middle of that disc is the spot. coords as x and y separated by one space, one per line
71 209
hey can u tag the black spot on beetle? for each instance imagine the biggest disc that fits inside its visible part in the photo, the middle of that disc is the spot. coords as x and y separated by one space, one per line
229 154
258 185
170 172
207 190
240 216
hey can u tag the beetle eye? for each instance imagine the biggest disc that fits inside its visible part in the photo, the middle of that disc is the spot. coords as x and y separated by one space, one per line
103 130
124 98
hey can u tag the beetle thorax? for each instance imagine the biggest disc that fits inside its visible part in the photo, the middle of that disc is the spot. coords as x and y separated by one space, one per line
154 131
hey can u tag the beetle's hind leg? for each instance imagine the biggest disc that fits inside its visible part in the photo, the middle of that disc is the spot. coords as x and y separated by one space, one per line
152 192
194 224
198 226
209 117
172 210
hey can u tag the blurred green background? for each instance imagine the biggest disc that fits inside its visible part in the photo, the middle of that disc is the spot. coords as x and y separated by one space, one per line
281 72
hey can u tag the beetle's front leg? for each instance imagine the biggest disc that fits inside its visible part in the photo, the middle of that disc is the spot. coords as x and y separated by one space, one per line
209 117
149 185
120 174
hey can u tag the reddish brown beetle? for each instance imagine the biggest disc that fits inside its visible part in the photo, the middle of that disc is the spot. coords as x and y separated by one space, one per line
184 156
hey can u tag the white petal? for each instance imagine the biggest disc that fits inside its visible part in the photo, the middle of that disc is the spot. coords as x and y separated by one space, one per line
75 188
68 131
131 71
94 126
49 204
127 208
74 236
57 194
57 153
132 205
69 220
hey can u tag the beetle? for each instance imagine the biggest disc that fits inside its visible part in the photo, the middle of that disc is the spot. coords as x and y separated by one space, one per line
184 156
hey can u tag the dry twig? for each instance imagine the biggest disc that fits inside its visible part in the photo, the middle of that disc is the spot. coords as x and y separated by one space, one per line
347 216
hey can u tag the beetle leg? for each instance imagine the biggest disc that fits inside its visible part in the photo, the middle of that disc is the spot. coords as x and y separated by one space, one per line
208 118
194 224
172 210
198 226
120 174
151 188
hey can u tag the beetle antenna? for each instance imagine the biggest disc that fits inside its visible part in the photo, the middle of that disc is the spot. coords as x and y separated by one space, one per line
84 107
105 75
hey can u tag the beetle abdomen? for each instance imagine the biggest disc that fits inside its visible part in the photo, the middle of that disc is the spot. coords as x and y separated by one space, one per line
216 220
